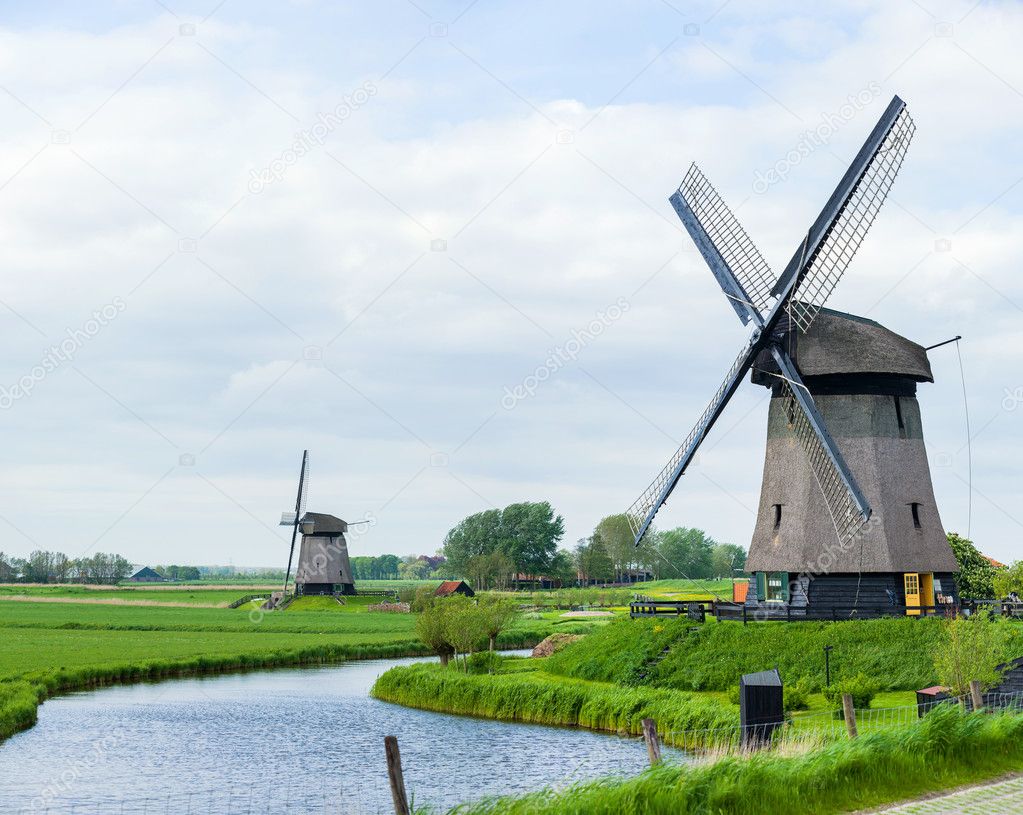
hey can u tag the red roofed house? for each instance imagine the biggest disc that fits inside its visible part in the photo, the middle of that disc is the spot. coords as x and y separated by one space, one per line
449 587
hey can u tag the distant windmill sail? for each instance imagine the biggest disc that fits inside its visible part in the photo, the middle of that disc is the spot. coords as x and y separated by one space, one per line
292 519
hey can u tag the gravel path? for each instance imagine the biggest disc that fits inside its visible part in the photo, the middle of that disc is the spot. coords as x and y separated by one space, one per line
1001 798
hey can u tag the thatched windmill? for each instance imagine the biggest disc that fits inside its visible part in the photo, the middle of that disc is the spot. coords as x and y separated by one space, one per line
323 563
847 522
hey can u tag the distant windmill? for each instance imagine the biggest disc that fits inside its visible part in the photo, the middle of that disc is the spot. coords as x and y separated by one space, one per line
323 563
813 546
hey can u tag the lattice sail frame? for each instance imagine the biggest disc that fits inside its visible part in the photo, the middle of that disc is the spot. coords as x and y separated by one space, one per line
844 514
654 495
723 228
304 487
847 233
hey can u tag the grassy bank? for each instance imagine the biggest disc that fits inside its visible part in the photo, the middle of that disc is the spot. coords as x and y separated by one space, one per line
537 697
946 749
898 652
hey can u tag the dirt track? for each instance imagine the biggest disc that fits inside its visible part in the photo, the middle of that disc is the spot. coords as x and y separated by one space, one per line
106 601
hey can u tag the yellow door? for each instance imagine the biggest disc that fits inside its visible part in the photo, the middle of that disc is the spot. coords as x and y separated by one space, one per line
911 581
927 591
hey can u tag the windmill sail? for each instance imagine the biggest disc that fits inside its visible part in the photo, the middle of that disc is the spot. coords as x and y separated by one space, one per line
823 256
846 504
741 270
798 295
303 489
641 513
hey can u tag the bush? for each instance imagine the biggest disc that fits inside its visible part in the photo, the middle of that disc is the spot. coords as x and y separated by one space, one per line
797 695
485 662
861 687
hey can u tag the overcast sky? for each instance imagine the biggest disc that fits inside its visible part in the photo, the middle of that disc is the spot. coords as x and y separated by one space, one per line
476 186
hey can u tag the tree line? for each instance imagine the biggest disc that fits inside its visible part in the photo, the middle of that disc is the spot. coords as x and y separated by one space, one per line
610 554
409 567
496 547
56 567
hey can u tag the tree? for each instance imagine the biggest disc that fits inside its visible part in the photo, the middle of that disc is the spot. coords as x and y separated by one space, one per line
530 533
1006 580
975 578
413 567
7 572
615 534
689 551
726 559
474 536
432 628
592 560
970 648
465 625
497 613
562 569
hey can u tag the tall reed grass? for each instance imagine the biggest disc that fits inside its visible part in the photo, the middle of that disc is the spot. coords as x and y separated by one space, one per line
947 748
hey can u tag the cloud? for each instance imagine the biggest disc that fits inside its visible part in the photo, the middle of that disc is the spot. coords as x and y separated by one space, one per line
373 303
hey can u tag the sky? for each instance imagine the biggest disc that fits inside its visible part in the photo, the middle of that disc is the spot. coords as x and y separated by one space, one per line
233 231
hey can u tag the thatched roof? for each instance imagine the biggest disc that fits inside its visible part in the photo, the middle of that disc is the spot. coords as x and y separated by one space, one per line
840 343
325 525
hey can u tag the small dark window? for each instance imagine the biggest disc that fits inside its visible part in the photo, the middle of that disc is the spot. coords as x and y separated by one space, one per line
898 413
777 515
916 514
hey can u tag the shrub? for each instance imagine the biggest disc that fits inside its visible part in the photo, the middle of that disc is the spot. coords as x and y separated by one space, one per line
797 695
485 662
861 687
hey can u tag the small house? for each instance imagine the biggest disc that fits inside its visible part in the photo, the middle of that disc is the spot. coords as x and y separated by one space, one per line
147 575
450 587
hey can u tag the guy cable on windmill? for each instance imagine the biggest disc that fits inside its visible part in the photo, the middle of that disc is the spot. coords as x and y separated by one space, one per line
323 566
847 522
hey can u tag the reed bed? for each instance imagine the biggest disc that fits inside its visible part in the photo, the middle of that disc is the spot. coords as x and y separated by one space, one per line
947 748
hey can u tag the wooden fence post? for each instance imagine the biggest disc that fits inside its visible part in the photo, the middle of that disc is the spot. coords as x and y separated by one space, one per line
395 776
850 714
977 696
653 744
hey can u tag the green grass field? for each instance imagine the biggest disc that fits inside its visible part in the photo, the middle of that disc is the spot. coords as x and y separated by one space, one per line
49 647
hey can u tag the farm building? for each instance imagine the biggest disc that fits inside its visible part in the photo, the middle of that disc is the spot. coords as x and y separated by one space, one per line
147 575
449 587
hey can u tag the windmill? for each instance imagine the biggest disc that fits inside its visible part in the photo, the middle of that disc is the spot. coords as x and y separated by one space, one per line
865 538
323 563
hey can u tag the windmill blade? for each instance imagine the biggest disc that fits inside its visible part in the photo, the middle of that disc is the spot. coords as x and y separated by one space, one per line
848 507
740 269
641 513
821 259
303 485
303 488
